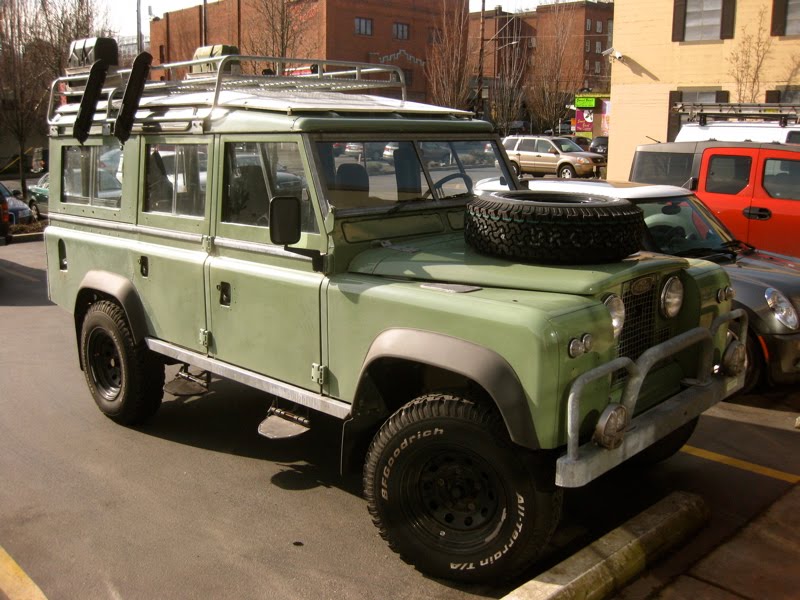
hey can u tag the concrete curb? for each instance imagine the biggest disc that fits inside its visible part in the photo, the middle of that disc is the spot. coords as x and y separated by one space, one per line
18 238
619 556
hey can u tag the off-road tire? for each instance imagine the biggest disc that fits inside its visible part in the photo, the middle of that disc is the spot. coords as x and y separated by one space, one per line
554 228
450 493
666 446
125 379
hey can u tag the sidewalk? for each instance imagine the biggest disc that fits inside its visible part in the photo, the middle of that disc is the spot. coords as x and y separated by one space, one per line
760 562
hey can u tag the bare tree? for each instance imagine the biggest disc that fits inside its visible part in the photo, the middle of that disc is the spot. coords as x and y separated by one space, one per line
506 88
34 41
284 29
555 73
450 63
747 59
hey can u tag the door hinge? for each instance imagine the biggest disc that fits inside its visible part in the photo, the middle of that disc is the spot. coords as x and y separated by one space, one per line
204 338
208 243
318 373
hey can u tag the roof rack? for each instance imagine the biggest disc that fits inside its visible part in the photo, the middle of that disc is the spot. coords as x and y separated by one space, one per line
215 74
702 112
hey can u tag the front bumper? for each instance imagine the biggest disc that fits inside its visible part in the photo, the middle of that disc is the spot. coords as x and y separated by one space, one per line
584 463
784 358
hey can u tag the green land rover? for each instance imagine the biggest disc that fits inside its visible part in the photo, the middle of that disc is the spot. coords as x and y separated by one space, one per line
282 228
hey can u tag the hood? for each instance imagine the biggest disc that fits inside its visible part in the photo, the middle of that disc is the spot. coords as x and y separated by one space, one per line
766 270
448 259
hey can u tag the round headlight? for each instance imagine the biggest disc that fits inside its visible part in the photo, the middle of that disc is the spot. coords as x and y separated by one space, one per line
672 297
616 308
781 308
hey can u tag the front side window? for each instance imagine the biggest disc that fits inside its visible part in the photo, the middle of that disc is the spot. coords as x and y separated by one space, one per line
543 146
257 172
383 174
728 174
400 31
92 175
175 179
363 26
782 178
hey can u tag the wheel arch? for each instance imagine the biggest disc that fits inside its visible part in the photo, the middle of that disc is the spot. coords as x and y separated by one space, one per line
103 285
399 349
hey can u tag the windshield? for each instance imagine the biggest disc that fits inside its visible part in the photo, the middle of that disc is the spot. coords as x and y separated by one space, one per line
566 145
684 227
387 174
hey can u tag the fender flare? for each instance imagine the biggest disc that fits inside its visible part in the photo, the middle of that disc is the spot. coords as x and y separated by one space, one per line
482 365
123 291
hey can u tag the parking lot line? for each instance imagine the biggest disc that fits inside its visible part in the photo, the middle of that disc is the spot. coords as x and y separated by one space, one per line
741 464
21 275
14 582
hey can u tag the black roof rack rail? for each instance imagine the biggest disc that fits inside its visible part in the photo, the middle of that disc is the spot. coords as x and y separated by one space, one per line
703 112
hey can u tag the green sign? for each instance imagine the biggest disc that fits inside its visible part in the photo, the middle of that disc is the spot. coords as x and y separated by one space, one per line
585 102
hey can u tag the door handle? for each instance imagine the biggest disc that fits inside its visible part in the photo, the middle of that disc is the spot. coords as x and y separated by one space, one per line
757 213
224 289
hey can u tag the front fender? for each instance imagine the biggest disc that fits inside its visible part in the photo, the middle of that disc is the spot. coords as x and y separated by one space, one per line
482 365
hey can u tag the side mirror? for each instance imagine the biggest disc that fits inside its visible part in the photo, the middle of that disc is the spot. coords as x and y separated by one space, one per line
284 220
553 151
691 184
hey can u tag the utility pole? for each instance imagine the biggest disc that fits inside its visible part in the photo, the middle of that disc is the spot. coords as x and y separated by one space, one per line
479 91
138 27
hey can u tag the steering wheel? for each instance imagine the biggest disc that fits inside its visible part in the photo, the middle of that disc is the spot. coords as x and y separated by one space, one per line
665 235
440 184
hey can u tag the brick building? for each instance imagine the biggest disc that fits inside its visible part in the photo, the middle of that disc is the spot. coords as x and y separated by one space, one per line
683 51
396 32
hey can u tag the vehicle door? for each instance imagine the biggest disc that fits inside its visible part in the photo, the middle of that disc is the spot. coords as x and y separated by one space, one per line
546 156
264 302
774 214
526 155
725 184
174 225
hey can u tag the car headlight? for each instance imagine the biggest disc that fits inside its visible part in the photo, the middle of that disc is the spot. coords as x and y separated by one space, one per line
781 308
616 308
671 297
582 161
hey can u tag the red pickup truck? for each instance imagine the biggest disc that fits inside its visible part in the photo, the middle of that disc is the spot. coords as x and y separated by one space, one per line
753 188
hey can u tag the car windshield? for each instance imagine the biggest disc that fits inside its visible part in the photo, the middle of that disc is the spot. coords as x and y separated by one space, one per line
566 145
387 174
684 227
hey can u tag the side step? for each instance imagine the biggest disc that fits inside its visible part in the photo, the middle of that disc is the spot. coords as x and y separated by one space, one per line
282 423
188 384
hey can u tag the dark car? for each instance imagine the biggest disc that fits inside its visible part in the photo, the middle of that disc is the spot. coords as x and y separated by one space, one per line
5 219
583 142
18 212
767 286
599 145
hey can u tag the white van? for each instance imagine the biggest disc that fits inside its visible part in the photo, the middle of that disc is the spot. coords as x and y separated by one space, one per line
740 131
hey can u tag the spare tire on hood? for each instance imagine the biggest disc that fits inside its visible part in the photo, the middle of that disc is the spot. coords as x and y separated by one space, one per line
554 227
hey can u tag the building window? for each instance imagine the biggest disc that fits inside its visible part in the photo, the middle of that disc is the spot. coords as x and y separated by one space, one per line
610 26
588 24
597 67
363 26
586 65
696 20
409 76
785 17
588 45
599 27
598 47
400 31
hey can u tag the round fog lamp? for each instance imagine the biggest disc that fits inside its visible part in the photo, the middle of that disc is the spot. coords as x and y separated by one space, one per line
672 297
734 360
611 426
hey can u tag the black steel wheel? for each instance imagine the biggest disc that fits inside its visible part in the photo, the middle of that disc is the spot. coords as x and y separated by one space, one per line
553 227
452 496
126 379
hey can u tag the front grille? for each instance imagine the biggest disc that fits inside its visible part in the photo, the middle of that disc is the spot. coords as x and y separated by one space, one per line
639 332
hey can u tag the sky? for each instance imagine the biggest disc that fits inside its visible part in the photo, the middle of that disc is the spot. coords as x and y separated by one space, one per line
122 13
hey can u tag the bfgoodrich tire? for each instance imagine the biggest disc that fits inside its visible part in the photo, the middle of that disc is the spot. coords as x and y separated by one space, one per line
125 379
451 495
555 228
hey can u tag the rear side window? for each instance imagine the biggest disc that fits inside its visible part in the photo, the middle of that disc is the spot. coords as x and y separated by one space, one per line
782 178
88 179
669 168
175 176
728 174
